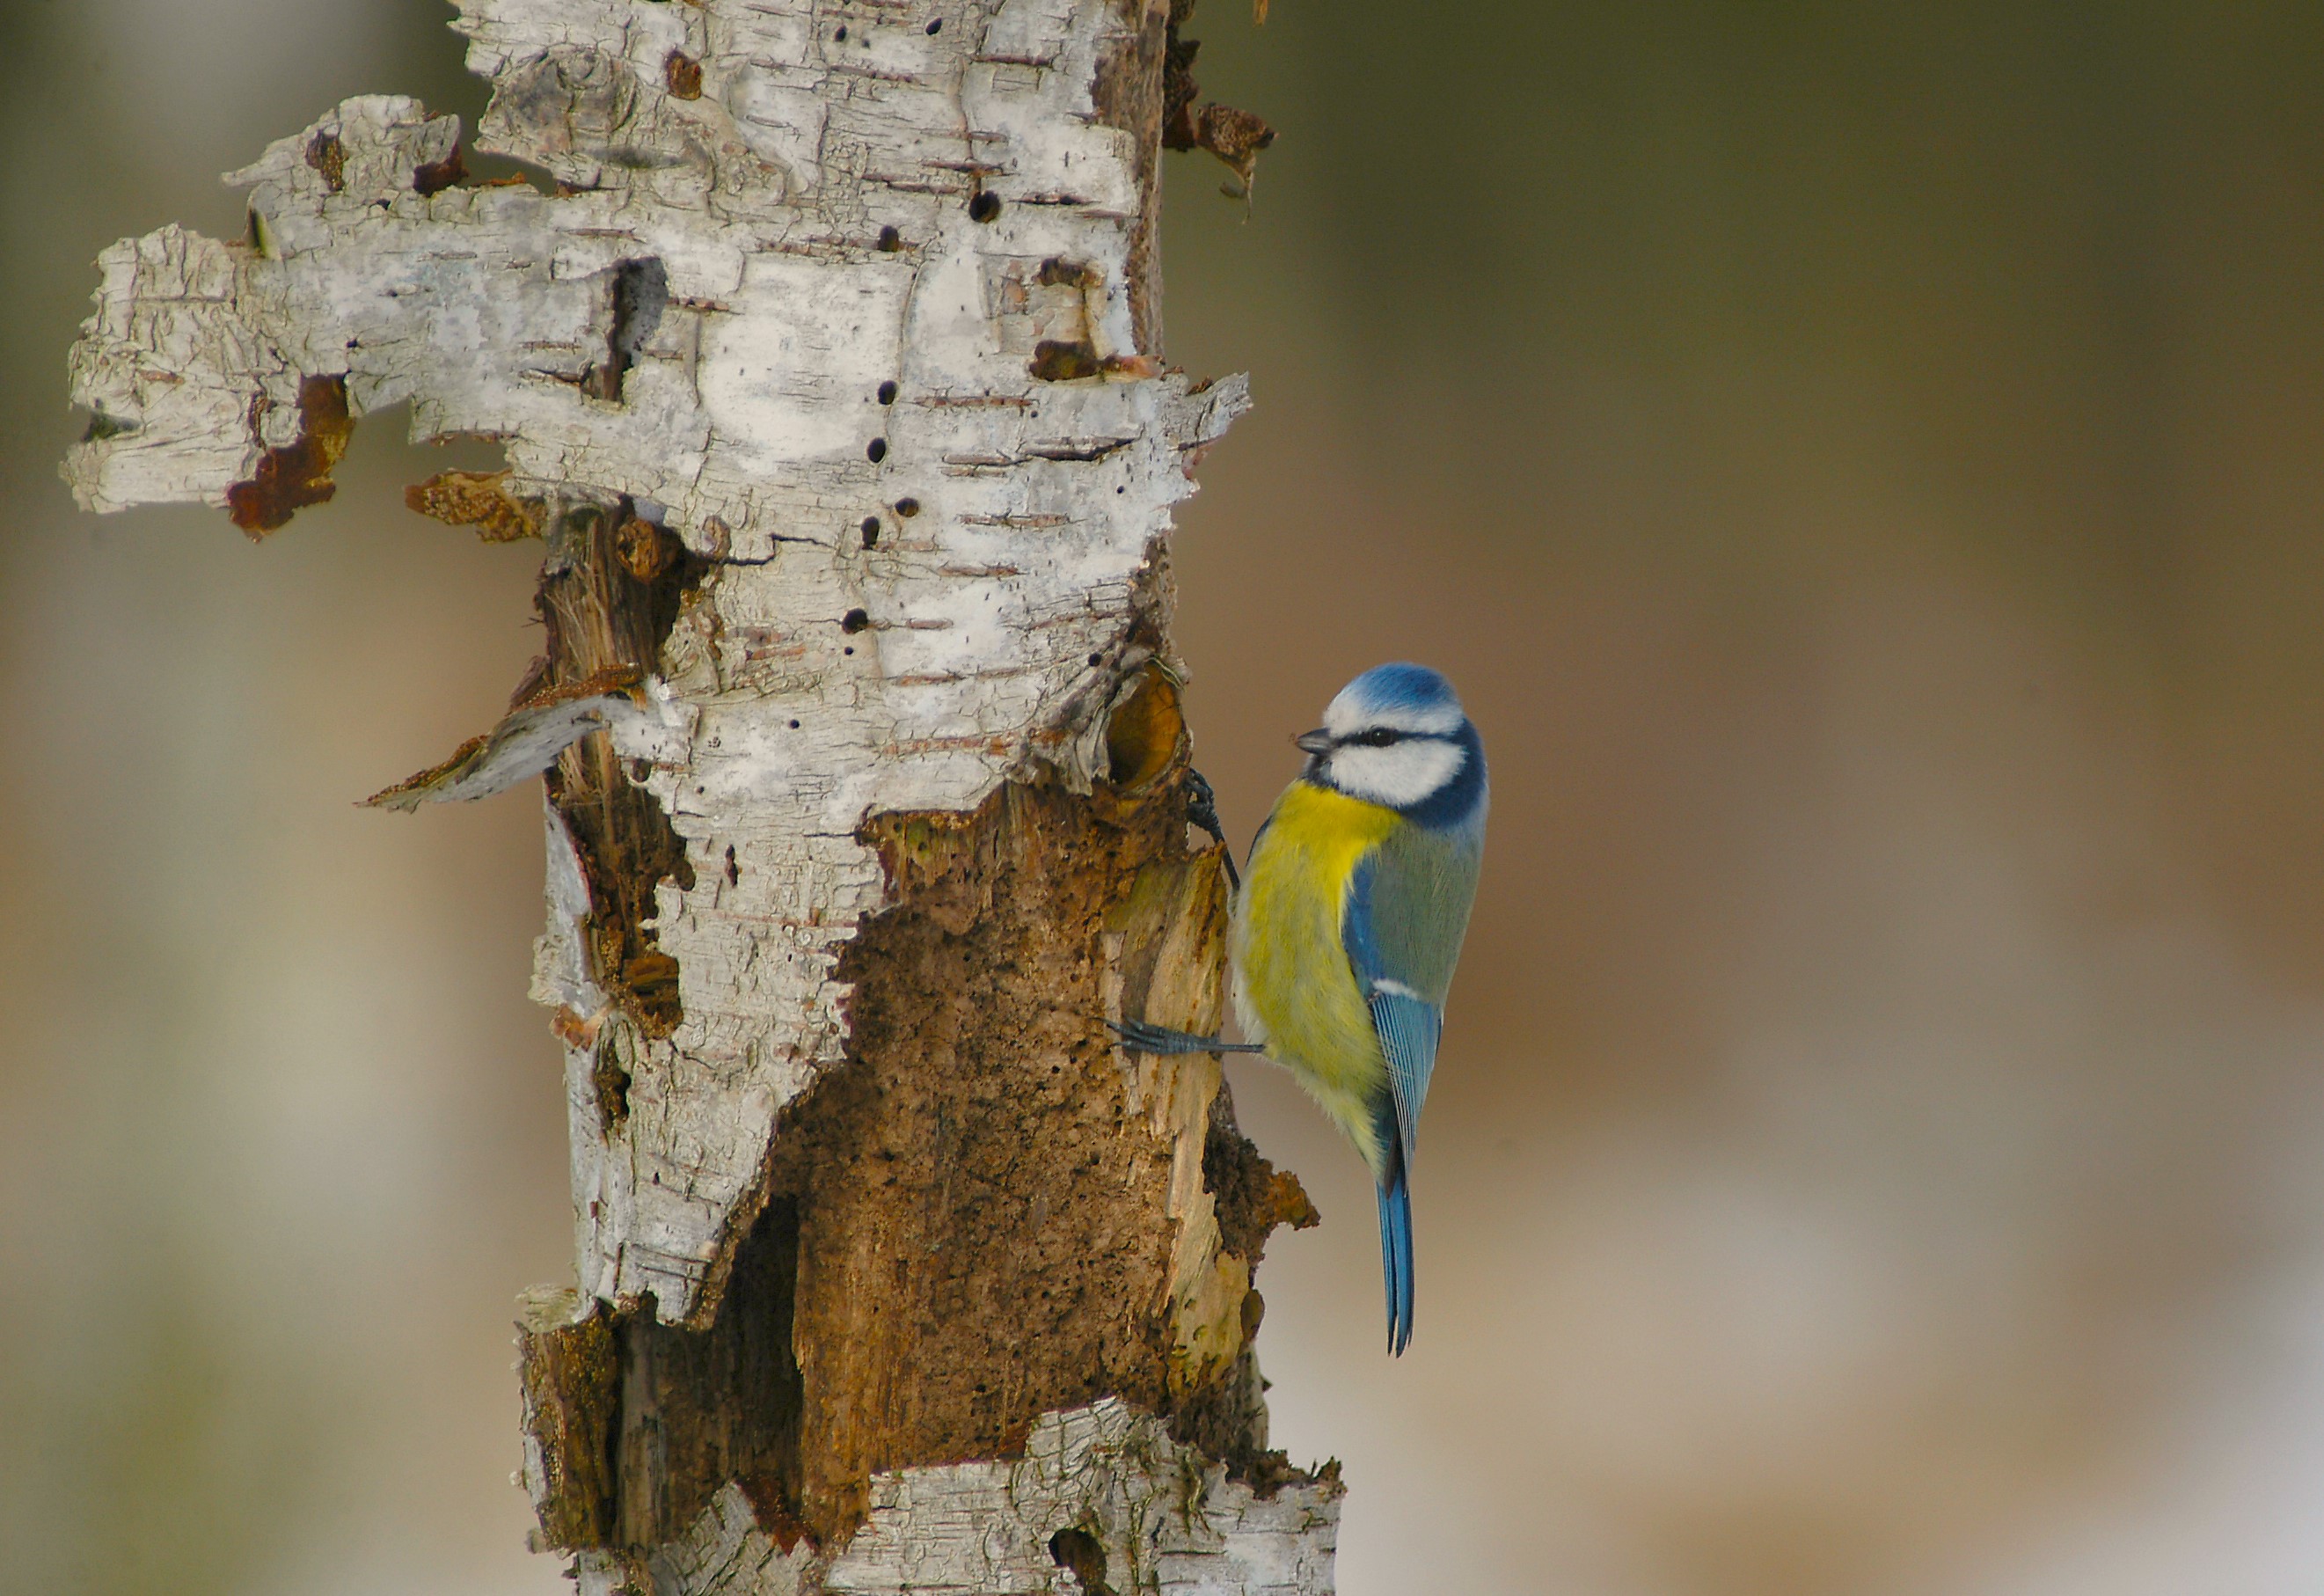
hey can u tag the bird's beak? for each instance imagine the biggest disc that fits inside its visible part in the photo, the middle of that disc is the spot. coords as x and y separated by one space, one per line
1317 742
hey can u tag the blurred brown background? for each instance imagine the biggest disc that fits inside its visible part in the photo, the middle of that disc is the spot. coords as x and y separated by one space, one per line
1862 465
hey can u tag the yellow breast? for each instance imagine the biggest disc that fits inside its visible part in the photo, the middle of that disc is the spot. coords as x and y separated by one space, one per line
1293 988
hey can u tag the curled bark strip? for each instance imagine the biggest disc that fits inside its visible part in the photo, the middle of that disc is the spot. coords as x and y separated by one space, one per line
528 739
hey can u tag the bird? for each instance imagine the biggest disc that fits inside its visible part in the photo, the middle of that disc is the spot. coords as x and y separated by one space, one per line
1349 921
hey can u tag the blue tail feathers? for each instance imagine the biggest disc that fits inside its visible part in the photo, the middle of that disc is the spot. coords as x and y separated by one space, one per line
1395 1258
1396 1223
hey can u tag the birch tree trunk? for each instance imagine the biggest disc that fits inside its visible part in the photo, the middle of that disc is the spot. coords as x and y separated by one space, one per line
829 372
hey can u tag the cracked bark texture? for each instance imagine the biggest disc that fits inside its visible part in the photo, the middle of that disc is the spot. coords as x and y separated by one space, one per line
828 370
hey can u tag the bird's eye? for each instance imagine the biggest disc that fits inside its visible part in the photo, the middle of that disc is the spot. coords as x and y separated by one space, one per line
1377 737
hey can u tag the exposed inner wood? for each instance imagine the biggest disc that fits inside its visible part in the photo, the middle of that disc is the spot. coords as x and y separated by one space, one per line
611 589
983 1230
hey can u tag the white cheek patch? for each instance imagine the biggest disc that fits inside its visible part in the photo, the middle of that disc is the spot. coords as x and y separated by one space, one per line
1348 714
1398 776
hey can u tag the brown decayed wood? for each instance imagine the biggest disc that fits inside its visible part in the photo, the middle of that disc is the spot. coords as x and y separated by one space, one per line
572 1388
983 1187
982 1221
700 1407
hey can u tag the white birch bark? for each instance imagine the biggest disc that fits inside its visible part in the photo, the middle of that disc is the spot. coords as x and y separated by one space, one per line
786 303
1166 1520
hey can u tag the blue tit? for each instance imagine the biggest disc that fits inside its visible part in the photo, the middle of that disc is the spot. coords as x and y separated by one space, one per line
1349 921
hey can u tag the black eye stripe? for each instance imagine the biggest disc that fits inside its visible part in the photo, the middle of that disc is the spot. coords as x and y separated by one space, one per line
1387 736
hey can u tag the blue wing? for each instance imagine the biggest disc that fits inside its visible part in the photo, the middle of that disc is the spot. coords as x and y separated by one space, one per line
1407 1015
1408 1027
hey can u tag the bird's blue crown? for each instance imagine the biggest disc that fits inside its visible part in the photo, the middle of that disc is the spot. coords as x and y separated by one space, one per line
1414 689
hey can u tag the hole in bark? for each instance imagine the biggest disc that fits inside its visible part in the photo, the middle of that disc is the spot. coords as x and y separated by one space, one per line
734 871
878 451
907 508
1143 738
870 530
1082 1554
641 293
890 240
887 393
984 207
854 621
935 27
102 426
681 74
298 474
610 1083
1057 272
841 36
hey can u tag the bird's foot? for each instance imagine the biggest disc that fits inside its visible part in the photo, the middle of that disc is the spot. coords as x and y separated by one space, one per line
1141 1038
1203 814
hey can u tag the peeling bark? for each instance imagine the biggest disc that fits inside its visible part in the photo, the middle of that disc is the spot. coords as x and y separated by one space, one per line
829 374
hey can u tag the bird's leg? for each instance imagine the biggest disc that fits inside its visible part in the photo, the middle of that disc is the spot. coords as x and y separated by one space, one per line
1203 814
1143 1038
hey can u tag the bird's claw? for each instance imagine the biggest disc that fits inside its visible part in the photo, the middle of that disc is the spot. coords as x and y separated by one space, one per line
1203 814
1141 1038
